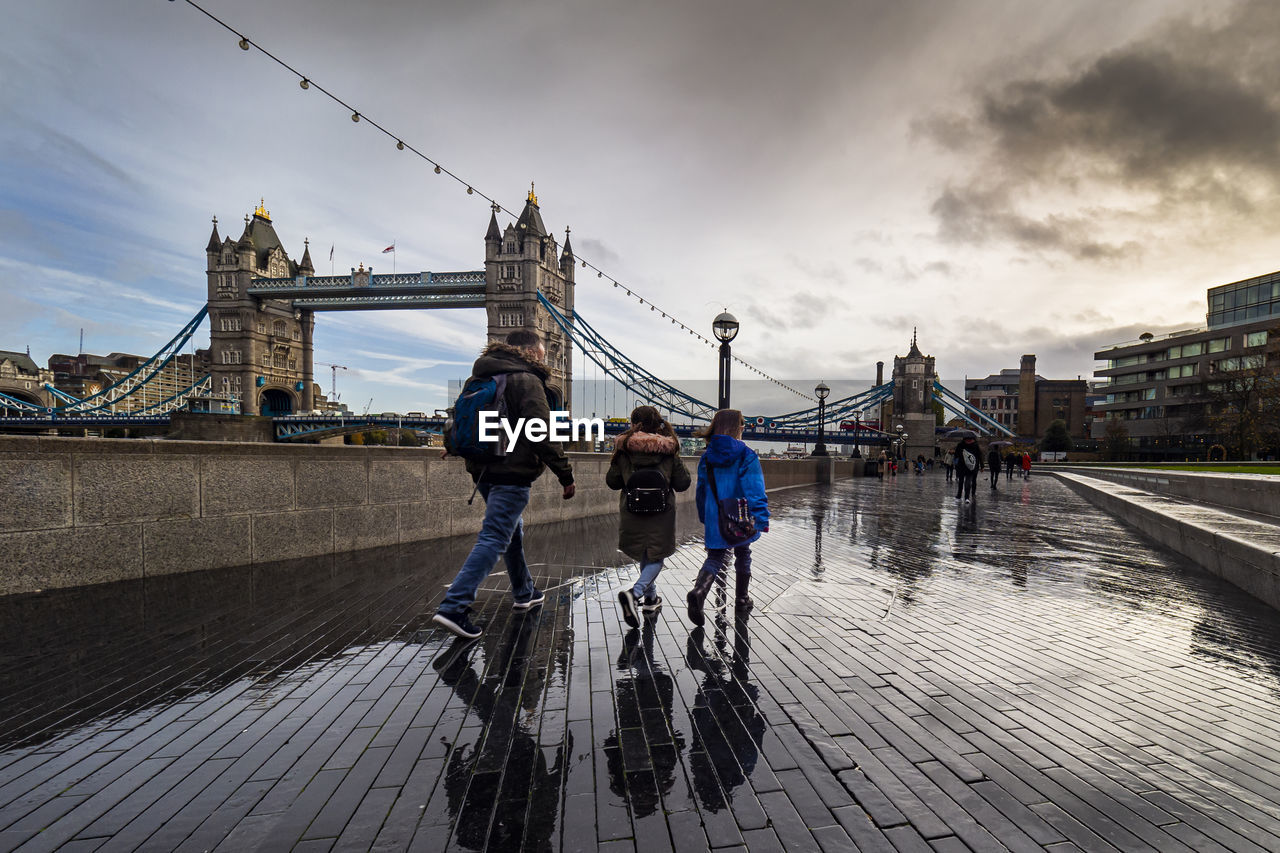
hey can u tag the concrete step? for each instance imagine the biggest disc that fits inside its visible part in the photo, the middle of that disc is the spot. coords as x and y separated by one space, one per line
1239 546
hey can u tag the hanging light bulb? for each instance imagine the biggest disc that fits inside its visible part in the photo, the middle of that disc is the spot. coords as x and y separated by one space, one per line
355 116
244 43
437 168
304 83
470 191
399 145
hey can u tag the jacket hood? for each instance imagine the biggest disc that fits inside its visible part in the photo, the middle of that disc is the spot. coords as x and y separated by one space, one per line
503 358
647 442
724 449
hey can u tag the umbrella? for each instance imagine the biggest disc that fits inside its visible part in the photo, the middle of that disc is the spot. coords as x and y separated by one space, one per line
962 433
1000 444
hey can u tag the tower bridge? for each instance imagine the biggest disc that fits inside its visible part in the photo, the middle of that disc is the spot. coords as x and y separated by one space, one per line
262 307
262 304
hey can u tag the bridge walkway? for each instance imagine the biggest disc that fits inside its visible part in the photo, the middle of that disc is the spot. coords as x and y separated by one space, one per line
918 675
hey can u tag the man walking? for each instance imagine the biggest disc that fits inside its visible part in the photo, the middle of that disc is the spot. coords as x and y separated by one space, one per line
968 464
505 482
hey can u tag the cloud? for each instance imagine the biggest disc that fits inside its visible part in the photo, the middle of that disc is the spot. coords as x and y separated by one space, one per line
1157 137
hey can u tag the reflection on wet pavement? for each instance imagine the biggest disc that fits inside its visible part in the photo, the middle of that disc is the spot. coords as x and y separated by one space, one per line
917 674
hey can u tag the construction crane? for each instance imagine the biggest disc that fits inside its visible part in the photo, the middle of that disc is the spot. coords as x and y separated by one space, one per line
333 388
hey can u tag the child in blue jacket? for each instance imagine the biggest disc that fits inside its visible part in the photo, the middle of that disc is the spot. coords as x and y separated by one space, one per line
737 471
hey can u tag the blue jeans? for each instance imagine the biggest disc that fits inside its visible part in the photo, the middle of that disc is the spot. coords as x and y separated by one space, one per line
648 574
717 557
500 535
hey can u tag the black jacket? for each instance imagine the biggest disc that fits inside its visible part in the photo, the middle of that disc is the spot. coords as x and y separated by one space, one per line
526 397
993 458
648 537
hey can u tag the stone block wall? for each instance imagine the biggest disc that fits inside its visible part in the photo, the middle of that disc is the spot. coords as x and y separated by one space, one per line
82 511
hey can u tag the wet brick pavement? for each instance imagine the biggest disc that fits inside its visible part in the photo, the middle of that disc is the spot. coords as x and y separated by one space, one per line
918 675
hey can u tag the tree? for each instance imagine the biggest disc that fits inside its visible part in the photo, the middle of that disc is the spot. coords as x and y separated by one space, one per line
1057 438
1116 444
1243 400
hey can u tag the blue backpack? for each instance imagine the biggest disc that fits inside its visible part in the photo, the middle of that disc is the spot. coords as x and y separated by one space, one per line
462 427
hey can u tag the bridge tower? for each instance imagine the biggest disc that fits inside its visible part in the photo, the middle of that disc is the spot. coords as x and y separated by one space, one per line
913 378
519 261
259 350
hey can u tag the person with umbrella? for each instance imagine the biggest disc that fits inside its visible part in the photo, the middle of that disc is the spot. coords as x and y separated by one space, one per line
993 463
968 463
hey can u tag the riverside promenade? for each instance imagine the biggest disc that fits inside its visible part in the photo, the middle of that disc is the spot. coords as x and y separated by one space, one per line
1024 673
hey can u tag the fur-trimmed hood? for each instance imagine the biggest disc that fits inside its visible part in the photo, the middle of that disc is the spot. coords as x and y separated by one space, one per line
647 442
500 357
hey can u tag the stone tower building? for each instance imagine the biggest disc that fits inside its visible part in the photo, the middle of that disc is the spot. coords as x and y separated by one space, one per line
260 350
913 378
1027 396
518 262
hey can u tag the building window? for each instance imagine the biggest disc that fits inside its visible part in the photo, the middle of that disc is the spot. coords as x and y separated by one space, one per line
231 356
262 328
1219 344
510 248
511 319
230 324
1255 339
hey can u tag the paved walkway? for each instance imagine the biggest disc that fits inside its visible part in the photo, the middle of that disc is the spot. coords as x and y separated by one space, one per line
918 675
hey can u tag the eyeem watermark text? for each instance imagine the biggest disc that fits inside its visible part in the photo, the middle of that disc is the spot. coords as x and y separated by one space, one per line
559 428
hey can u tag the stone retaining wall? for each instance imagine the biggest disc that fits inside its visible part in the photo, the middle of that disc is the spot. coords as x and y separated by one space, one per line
81 511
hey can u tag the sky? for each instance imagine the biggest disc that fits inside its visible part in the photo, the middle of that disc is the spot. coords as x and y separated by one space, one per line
1005 177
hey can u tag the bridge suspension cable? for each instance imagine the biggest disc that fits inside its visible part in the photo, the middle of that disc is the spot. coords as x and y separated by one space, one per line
624 370
137 381
307 83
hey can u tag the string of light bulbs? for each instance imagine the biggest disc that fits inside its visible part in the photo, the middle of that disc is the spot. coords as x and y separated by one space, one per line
307 83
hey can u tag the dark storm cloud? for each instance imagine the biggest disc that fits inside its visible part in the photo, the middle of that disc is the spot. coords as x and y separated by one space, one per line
1186 123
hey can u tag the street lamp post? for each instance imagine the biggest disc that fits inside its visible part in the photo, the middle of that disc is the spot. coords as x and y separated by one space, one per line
857 435
901 436
725 327
820 449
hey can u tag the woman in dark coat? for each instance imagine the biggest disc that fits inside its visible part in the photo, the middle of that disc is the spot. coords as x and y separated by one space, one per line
993 462
650 445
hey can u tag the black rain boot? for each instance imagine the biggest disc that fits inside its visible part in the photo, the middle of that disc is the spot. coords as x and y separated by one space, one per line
698 595
741 601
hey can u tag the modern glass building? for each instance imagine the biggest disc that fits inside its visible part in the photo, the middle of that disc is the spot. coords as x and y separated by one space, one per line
1245 301
1163 387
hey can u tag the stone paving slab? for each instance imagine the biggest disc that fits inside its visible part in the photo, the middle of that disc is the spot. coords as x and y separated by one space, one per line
1020 673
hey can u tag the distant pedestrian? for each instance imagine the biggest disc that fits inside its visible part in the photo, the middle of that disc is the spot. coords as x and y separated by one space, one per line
1026 465
728 473
919 464
993 462
968 464
647 468
505 482
1012 462
883 459
948 463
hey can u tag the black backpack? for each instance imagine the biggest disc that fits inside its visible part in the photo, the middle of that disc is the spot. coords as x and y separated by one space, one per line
646 492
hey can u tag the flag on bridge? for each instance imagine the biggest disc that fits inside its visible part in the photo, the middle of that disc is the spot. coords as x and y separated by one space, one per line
390 248
331 254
